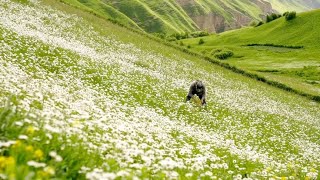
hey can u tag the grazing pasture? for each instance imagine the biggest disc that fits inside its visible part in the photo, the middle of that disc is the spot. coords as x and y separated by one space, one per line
281 50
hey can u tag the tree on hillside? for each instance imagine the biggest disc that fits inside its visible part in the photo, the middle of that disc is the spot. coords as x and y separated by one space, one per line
272 17
269 18
259 24
201 41
290 15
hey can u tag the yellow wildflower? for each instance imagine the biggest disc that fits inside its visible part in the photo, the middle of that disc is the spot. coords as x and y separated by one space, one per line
17 144
43 174
38 154
10 162
307 178
283 178
12 176
7 162
2 162
50 170
30 130
29 148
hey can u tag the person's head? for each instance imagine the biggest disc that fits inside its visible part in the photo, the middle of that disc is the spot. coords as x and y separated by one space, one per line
199 86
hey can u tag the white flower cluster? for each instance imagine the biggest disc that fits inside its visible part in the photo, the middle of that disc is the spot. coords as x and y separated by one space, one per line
126 103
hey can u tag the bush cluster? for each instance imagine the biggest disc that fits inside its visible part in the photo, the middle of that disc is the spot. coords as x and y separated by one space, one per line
222 54
259 24
290 15
272 17
201 41
179 36
199 34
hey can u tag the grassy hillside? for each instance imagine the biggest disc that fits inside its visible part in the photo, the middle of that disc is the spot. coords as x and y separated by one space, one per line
168 17
302 30
298 68
151 16
225 8
104 10
81 98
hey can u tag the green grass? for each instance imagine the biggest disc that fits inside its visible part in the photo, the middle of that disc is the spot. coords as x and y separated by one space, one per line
110 103
278 60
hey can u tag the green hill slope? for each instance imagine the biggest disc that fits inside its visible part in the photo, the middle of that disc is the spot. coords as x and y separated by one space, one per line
303 30
104 10
169 17
151 16
82 98
298 68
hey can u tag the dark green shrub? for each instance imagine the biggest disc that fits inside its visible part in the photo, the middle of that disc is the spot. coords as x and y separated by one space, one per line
171 38
186 35
276 45
272 17
269 18
201 41
253 23
291 15
316 98
199 34
259 24
275 16
178 36
221 54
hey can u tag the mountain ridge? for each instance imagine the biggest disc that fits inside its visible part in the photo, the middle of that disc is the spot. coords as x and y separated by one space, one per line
183 16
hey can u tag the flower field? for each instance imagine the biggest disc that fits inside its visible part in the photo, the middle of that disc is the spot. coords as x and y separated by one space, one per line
78 101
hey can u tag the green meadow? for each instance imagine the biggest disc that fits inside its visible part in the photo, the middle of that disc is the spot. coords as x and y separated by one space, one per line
298 68
84 98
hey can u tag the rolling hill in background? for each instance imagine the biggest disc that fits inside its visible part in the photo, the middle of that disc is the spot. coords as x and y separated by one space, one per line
294 5
298 68
180 16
